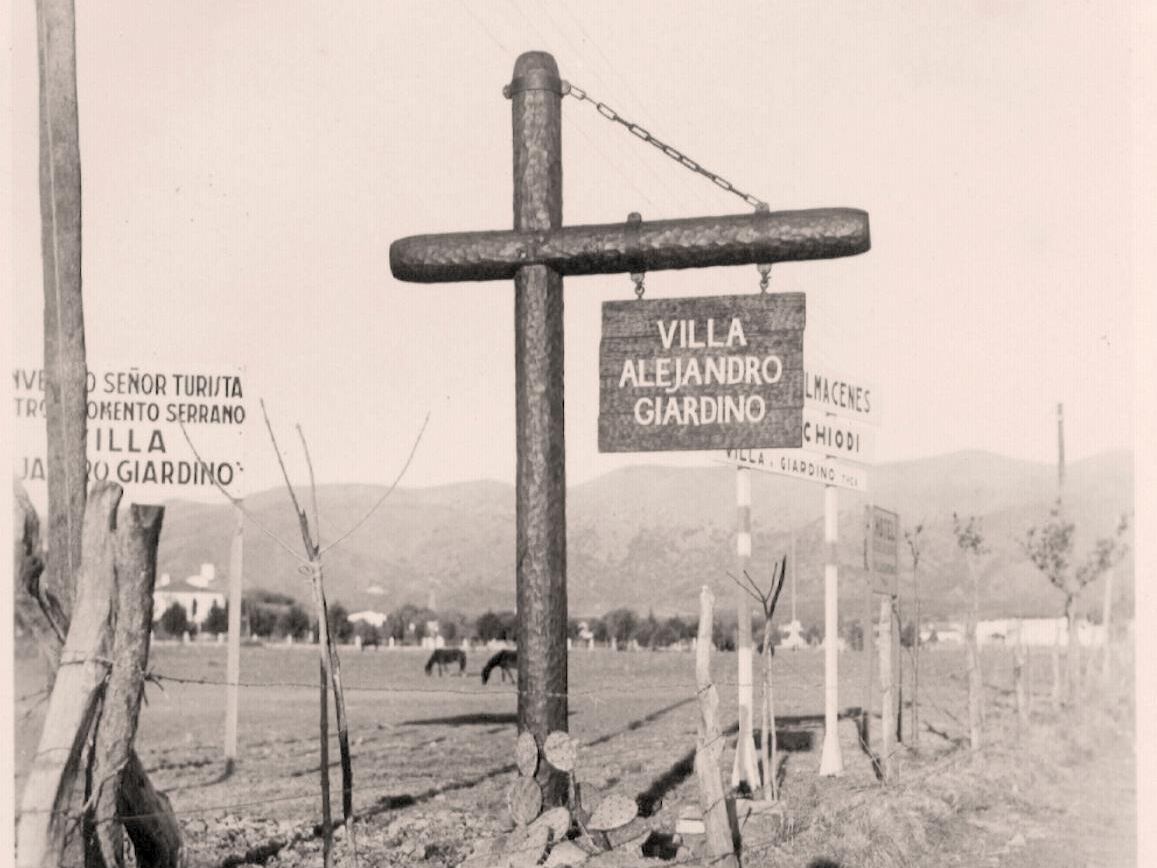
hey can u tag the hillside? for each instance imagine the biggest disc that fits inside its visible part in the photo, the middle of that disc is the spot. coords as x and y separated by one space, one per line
649 537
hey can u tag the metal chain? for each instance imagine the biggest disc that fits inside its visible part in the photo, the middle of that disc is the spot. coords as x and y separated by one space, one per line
674 153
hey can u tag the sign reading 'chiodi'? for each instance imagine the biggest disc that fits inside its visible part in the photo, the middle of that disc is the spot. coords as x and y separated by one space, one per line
701 373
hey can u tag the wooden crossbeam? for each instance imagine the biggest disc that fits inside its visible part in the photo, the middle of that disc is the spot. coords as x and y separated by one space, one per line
616 248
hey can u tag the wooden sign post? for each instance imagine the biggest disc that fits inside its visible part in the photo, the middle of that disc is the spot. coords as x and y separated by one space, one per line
536 255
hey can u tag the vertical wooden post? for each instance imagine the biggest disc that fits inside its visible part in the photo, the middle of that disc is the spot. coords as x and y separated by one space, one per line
233 655
75 700
65 392
709 744
323 742
975 684
869 630
887 690
136 570
831 759
536 95
744 769
897 663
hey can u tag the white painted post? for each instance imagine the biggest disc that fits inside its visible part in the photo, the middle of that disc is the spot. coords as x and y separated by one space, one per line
1106 622
233 654
744 768
831 759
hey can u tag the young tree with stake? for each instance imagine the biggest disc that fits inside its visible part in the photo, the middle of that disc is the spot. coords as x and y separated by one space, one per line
970 539
912 538
767 600
1050 549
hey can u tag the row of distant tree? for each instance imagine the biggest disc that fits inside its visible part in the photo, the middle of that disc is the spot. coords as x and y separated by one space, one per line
272 615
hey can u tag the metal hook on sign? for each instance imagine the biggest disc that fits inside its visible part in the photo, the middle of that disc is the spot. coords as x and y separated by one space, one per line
763 267
764 275
634 220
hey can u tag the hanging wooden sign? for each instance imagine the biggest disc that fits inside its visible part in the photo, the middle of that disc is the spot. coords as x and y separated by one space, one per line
702 373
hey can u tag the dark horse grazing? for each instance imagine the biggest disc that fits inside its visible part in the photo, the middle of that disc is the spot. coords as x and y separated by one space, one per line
506 660
444 657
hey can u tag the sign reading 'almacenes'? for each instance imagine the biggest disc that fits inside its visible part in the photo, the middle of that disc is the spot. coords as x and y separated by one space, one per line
702 373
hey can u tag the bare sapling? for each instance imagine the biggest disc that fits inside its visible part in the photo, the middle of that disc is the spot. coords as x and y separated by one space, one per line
970 539
767 600
311 566
1050 549
912 538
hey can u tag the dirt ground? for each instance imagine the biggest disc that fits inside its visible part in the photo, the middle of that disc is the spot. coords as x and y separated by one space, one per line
434 757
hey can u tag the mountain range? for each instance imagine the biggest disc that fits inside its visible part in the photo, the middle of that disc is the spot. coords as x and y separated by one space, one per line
648 537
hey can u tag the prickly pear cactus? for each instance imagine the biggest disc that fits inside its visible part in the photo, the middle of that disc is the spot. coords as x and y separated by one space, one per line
525 801
526 755
613 811
538 833
560 751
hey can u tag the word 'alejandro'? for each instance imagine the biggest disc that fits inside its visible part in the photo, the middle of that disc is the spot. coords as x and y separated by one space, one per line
672 373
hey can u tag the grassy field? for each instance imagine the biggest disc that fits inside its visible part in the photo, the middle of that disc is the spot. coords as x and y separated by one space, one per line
433 758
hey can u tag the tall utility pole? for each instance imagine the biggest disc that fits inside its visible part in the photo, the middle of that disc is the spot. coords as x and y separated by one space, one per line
1060 450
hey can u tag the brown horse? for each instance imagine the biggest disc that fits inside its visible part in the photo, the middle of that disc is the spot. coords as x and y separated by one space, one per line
443 657
506 660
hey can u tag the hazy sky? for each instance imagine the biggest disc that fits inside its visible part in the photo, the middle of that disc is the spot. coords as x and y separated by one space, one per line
246 166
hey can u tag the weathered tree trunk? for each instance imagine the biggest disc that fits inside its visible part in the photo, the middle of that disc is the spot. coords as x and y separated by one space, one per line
1056 660
35 612
65 391
887 695
149 819
75 703
709 745
136 566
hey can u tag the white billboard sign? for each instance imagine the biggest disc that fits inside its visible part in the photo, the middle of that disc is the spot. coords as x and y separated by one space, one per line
134 433
831 392
801 464
837 437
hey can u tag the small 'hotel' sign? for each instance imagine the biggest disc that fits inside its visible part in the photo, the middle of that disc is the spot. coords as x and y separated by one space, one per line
702 373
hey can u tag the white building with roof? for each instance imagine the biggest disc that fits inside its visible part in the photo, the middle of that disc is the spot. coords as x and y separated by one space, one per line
195 594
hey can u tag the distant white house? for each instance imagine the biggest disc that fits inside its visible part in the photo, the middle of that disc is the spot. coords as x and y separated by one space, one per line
947 632
791 636
195 594
368 616
1038 632
1035 632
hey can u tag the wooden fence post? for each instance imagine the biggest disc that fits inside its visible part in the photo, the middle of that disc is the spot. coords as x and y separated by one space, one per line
887 691
136 569
91 652
709 745
75 699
